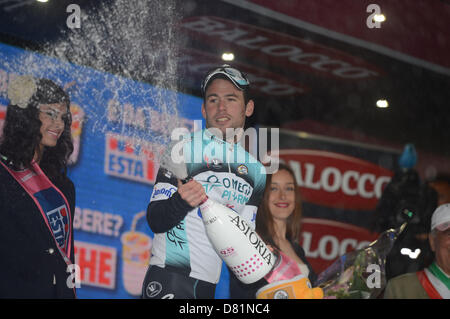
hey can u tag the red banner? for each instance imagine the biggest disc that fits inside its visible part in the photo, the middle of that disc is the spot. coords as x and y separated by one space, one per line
325 240
405 34
291 53
340 183
337 180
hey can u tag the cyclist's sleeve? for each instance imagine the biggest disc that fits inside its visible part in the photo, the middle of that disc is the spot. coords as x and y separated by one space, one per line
166 209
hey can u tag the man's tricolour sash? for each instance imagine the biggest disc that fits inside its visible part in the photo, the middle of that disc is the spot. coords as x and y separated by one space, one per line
435 282
427 285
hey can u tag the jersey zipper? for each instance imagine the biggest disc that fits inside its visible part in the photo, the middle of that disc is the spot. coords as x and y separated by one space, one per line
228 157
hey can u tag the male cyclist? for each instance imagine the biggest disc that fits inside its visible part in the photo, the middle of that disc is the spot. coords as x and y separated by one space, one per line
184 265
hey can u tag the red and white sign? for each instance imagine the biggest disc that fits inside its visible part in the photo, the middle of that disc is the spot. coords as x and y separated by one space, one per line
413 28
325 240
2 117
131 158
336 180
267 83
290 53
97 264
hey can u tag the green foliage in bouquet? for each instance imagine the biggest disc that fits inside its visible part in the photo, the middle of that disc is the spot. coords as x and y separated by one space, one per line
359 274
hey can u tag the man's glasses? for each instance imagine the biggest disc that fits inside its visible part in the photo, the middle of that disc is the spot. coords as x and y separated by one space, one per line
237 77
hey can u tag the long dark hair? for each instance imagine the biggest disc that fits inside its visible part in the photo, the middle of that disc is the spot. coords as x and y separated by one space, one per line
22 136
264 219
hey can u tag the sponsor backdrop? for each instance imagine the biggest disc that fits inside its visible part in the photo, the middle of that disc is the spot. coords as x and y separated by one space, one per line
340 184
120 127
293 54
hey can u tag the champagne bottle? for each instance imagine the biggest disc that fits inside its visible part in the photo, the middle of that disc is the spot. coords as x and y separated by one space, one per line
239 246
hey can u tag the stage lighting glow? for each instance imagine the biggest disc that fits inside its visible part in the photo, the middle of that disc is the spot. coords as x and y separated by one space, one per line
382 104
408 252
379 18
228 56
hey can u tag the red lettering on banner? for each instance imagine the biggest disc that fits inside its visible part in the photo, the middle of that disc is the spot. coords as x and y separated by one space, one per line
151 171
198 63
325 240
97 264
130 158
104 268
2 117
293 54
337 180
87 265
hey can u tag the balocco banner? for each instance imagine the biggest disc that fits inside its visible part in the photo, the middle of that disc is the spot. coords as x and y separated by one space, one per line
340 184
325 240
337 180
196 63
293 54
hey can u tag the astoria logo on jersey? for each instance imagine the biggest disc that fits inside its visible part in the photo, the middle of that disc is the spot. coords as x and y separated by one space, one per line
253 238
337 180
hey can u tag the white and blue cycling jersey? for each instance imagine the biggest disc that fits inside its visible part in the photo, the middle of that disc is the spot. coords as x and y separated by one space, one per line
229 175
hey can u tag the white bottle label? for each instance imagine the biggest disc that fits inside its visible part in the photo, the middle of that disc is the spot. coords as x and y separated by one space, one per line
236 242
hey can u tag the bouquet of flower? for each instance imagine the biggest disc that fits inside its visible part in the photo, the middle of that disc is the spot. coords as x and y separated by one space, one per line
359 274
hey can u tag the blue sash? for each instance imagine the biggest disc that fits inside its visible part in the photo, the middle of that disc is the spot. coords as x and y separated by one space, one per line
52 205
